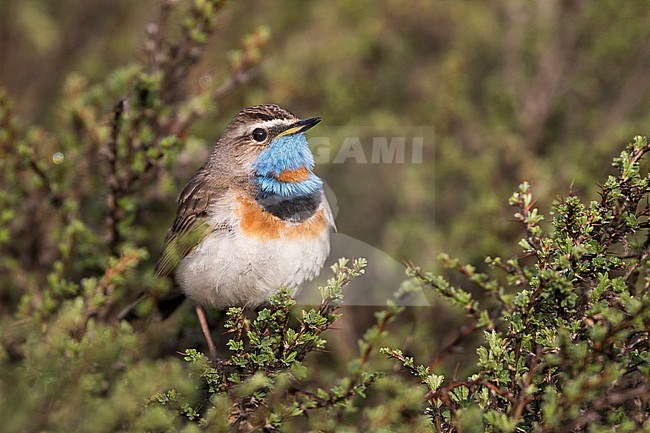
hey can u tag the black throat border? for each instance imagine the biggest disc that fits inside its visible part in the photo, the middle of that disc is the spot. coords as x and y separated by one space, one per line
294 209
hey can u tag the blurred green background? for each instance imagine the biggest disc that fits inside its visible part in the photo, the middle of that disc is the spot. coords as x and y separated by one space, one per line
514 90
542 91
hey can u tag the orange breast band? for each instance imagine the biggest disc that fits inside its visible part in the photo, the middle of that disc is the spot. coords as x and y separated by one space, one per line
256 222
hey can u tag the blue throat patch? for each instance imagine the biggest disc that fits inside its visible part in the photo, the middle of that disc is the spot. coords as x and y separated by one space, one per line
290 152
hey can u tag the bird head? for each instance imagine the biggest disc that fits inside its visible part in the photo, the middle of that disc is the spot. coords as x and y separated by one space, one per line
268 144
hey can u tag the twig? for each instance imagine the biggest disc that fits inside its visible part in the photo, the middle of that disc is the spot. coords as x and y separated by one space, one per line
237 78
615 398
113 179
463 333
104 288
522 399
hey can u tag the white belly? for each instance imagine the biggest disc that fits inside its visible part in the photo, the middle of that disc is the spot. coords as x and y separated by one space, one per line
231 269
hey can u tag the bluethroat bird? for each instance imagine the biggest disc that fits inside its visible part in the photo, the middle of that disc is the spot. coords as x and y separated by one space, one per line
253 219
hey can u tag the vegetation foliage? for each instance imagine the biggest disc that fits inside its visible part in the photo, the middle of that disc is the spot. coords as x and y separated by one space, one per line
555 335
566 332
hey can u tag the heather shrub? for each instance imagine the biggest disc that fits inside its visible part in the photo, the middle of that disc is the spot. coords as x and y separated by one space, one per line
552 339
565 323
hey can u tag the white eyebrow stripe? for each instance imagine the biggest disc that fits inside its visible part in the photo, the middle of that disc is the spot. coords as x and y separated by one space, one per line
275 122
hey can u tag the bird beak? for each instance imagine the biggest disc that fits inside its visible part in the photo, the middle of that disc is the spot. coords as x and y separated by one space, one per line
300 126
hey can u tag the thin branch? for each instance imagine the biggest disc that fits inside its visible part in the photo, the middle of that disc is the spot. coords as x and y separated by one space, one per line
455 346
235 79
614 398
113 179
101 294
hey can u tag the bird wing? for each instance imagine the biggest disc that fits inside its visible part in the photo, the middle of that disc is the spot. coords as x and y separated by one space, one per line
191 225
199 205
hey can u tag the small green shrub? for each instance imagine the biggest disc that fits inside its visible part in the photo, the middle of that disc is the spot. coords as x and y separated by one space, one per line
566 323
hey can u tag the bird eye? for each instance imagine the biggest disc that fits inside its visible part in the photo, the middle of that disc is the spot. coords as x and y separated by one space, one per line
259 134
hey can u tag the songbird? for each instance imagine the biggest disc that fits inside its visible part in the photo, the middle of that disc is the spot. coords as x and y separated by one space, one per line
254 218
